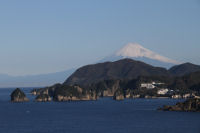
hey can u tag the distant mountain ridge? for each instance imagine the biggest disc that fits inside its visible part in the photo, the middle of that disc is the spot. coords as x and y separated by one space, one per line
125 69
186 68
41 80
137 52
60 77
146 62
122 69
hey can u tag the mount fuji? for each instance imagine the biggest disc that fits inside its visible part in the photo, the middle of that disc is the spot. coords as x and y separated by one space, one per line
137 52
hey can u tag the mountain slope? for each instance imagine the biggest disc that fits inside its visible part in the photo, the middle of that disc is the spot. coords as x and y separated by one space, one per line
138 52
188 81
122 69
186 68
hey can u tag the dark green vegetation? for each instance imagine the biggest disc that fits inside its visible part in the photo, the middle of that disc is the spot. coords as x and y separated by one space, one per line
122 69
61 92
118 88
183 69
123 79
190 105
18 96
125 69
189 81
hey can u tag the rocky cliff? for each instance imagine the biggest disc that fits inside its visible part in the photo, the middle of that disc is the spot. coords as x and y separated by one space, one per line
18 96
190 105
119 95
43 98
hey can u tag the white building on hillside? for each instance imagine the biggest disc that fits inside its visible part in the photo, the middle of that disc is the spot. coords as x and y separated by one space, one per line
151 85
162 91
147 85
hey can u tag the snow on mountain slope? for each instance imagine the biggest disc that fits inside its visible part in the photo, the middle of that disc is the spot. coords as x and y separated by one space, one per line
137 52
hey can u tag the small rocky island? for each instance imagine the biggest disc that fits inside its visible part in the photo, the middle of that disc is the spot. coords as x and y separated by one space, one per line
190 105
18 96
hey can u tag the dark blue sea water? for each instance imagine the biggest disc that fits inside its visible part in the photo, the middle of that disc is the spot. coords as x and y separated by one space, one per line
102 116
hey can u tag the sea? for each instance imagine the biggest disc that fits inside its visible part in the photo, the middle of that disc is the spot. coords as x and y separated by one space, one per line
102 116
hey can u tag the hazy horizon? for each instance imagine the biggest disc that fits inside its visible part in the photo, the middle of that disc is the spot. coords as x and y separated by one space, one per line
39 37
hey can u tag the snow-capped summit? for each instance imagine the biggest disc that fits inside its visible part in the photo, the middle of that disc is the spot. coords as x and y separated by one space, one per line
137 52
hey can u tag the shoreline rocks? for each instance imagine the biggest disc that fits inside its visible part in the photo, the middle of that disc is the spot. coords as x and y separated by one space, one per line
61 98
119 95
18 96
190 105
43 98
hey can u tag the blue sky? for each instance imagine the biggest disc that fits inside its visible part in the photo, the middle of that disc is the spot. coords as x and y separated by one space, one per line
43 36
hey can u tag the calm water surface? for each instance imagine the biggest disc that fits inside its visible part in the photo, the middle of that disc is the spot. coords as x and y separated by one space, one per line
102 116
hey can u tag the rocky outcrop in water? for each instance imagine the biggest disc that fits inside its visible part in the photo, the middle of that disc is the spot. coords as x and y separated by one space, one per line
190 105
59 92
119 95
62 98
43 98
74 93
18 96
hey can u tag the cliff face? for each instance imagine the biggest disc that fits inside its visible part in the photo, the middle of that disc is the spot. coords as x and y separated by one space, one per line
119 95
18 96
68 93
190 105
61 92
87 97
43 98
106 88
